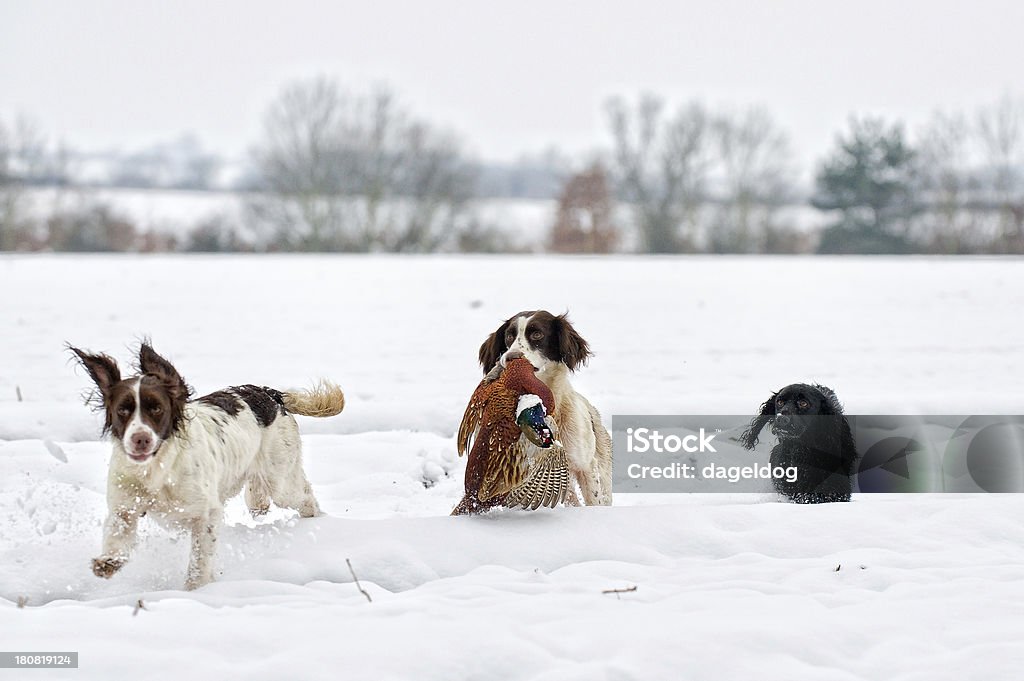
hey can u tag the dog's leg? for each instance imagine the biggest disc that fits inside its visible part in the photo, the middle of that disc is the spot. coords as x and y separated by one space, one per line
281 453
603 483
309 508
602 465
296 492
257 496
590 487
204 544
588 470
589 449
119 532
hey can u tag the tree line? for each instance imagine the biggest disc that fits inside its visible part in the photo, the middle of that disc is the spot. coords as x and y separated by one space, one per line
335 171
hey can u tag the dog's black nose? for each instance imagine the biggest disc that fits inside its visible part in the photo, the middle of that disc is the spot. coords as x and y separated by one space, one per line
783 420
141 442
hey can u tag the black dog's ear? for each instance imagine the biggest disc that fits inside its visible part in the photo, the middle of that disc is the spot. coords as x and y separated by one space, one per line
831 400
102 369
153 364
493 347
839 436
847 446
573 349
749 437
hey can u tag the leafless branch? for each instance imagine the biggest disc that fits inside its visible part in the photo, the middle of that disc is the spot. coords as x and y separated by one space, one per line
358 585
626 590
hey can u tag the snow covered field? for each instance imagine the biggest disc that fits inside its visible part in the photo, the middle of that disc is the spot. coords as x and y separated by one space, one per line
727 587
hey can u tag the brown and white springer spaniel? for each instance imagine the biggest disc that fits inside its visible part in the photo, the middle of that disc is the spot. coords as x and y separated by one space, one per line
555 349
179 459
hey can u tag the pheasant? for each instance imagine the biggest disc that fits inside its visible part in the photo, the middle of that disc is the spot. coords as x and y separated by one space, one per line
515 459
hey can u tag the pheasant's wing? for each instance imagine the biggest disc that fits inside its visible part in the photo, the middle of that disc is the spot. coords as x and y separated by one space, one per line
547 483
506 465
473 416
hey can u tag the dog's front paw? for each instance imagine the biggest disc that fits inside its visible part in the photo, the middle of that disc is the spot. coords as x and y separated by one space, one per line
106 566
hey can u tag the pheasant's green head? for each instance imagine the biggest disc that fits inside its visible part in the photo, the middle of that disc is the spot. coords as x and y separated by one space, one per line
530 415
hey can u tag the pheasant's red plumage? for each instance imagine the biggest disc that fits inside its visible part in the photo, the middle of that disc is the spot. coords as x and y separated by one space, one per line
500 469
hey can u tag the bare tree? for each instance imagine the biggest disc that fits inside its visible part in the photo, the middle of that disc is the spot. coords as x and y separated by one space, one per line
7 189
944 185
1001 130
435 184
753 158
22 162
662 168
343 172
298 174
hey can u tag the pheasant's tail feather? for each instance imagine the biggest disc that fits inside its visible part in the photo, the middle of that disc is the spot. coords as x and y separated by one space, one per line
471 418
323 399
546 486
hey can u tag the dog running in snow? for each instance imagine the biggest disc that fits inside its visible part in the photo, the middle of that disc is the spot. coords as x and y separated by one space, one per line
180 459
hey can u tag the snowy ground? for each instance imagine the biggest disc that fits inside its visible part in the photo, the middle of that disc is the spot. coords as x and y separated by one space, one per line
728 587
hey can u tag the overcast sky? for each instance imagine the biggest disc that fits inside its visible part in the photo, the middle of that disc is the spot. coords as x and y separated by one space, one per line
510 77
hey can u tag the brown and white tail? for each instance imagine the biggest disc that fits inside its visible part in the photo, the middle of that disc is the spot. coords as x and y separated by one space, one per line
323 399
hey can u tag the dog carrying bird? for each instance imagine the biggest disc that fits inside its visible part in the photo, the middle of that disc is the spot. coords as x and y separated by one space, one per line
515 459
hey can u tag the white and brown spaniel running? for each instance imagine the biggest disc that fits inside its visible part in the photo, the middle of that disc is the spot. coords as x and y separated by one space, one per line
180 459
555 349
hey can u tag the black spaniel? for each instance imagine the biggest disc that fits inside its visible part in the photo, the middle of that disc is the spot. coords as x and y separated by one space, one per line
814 436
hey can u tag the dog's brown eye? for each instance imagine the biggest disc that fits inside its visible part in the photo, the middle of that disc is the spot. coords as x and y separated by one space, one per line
156 410
803 404
536 335
123 411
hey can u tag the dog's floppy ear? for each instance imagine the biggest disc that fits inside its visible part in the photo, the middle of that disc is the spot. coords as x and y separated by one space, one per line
102 369
749 437
153 364
572 347
841 435
831 399
493 347
847 445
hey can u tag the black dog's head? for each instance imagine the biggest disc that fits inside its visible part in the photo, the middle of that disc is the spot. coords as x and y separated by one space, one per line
815 438
794 412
